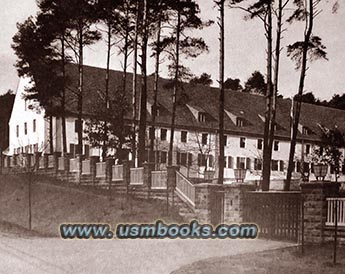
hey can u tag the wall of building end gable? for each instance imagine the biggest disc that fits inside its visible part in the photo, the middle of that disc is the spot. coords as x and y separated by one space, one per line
25 111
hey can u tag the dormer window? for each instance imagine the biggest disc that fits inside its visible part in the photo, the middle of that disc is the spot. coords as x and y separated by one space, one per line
239 122
305 131
202 117
155 110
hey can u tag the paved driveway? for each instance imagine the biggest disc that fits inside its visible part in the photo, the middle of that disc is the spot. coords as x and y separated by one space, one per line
53 255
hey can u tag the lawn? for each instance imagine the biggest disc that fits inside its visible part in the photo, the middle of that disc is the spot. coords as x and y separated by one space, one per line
54 203
316 260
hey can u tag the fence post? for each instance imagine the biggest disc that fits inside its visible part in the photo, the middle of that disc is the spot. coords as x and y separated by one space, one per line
46 161
127 174
93 161
171 183
56 161
147 176
315 205
28 161
66 165
37 160
109 162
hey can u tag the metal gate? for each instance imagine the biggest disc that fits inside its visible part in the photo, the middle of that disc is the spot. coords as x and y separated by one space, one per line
277 214
217 207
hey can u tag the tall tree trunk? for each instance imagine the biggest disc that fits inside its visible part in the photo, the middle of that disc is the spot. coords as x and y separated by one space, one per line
63 99
297 108
134 92
276 78
124 85
266 171
107 101
155 90
143 99
80 98
51 137
176 83
221 93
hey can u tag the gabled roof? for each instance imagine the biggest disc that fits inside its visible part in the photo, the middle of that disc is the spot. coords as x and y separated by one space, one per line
250 107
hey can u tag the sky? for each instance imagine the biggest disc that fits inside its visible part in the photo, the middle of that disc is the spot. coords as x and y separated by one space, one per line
244 43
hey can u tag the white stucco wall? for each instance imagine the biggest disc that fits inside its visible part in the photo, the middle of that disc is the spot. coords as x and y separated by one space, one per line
21 114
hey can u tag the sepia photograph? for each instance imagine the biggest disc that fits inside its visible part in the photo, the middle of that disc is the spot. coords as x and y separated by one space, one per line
172 136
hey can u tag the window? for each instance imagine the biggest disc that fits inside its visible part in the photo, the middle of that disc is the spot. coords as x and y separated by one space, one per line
77 126
259 144
204 138
201 160
274 165
307 149
242 142
183 159
34 125
230 162
305 131
202 117
26 128
225 140
210 160
184 136
155 110
239 122
17 131
163 157
190 159
163 134
178 158
241 162
257 164
152 133
276 145
72 149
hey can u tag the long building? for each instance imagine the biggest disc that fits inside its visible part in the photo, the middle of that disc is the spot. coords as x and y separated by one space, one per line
196 133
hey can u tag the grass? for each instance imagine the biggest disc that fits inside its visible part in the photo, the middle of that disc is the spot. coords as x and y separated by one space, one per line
54 203
316 260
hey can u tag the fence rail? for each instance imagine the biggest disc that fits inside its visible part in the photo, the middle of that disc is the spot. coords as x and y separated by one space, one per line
100 169
339 203
137 176
185 188
86 167
74 165
159 179
117 173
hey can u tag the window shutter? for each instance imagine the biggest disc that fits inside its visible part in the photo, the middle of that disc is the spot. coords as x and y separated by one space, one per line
71 149
199 159
230 162
178 162
248 163
87 151
281 165
210 161
190 159
238 165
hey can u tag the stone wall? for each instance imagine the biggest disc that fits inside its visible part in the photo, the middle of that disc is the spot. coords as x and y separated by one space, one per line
315 210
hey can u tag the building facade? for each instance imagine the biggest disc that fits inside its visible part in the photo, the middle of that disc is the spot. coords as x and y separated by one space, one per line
196 136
